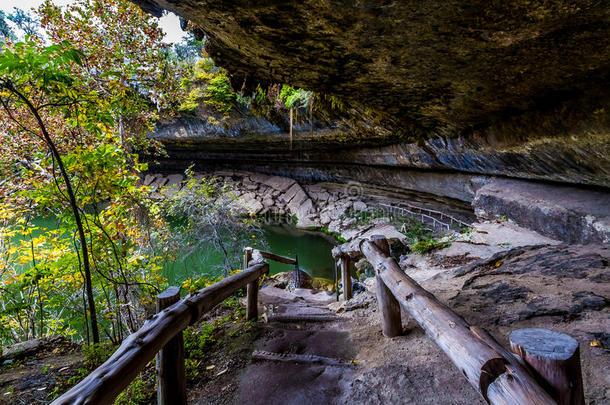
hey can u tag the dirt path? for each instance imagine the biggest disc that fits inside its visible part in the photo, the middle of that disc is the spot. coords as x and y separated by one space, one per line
30 380
563 288
559 287
500 286
400 370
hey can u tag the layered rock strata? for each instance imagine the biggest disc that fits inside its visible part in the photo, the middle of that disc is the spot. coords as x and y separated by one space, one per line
563 213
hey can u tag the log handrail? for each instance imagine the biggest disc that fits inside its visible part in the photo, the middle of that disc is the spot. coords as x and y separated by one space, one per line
106 382
278 258
496 374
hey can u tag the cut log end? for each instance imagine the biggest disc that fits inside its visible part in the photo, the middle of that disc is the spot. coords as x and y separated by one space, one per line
555 359
168 297
382 243
544 343
169 293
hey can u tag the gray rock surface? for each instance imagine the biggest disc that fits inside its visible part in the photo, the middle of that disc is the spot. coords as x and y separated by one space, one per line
566 213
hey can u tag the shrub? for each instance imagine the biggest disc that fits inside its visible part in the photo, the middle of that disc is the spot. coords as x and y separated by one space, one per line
428 245
210 85
218 94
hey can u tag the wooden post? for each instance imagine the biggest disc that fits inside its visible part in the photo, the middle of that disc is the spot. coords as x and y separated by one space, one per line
171 376
297 275
107 381
247 257
389 308
516 386
387 303
252 289
336 279
252 301
347 277
555 359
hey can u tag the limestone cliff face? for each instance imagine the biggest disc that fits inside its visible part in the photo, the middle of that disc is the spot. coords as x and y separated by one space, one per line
582 159
515 88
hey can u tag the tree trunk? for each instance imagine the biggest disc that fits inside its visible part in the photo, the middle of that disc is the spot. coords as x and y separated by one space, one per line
291 129
74 207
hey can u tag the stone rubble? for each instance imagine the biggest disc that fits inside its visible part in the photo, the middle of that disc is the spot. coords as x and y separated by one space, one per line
310 206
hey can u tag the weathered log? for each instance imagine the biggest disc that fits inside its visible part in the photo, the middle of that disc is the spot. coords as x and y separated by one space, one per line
336 278
346 276
555 360
382 244
301 358
107 381
171 375
278 258
478 361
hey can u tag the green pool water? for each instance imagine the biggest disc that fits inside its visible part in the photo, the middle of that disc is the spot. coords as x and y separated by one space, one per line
313 250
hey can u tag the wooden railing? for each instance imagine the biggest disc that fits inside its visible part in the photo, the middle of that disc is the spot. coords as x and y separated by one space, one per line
426 215
272 256
162 334
500 376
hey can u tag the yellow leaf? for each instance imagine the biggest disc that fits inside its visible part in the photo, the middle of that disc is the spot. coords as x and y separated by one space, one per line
595 343
210 367
498 264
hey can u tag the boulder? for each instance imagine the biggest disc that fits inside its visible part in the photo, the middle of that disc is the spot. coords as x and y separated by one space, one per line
259 178
289 194
149 178
386 230
300 208
249 202
325 218
268 202
158 182
565 213
338 210
279 183
251 186
308 223
174 180
359 206
31 347
335 226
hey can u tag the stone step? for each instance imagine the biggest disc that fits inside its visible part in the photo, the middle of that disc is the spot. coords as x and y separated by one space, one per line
295 317
301 358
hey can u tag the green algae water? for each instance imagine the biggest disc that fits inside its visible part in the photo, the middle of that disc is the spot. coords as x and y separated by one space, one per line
313 250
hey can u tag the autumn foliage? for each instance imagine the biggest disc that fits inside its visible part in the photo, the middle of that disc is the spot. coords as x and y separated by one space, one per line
75 106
